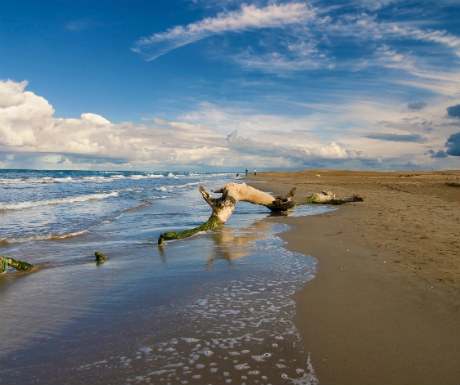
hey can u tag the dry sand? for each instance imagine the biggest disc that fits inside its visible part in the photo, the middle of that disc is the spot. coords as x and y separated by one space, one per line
384 306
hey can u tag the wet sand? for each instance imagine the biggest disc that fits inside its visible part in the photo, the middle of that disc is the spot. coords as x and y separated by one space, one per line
384 305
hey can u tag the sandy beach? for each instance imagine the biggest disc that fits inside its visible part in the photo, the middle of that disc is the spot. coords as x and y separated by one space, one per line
384 305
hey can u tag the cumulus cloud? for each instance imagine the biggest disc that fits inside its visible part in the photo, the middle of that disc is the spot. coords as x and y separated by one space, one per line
12 93
29 130
222 138
294 153
28 125
249 17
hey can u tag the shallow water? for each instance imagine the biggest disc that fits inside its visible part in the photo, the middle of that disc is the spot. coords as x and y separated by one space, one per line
215 308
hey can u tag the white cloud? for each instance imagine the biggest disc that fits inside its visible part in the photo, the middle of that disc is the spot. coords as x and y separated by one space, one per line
11 93
311 46
367 27
281 63
197 139
95 119
307 38
374 5
78 25
249 17
278 149
353 134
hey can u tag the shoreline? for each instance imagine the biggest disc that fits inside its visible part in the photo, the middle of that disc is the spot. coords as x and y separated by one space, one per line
383 307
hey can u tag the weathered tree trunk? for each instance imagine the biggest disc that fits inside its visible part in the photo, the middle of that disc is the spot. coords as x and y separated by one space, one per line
223 207
18 265
327 197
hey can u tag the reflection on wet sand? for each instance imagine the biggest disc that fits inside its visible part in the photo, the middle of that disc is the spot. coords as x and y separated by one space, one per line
233 243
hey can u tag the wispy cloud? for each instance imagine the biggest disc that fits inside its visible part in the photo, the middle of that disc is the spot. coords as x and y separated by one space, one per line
80 24
249 17
366 26
419 105
398 137
315 43
299 56
310 37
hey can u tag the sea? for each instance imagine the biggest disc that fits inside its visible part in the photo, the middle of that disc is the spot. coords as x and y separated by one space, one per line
215 308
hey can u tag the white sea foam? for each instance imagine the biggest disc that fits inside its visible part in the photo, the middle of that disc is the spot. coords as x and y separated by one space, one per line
190 340
76 179
171 187
58 201
41 237
241 327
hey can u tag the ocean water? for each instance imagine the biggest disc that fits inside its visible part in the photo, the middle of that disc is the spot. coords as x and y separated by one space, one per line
215 308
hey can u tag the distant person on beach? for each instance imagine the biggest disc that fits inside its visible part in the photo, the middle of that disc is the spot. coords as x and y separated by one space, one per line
255 172
246 172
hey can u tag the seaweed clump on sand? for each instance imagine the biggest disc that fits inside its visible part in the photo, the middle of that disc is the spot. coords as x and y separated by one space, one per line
99 257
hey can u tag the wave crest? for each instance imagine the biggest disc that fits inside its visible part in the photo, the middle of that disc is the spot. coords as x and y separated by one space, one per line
42 237
57 201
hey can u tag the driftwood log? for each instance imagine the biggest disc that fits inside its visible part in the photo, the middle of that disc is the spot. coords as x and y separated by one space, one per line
327 197
224 206
18 265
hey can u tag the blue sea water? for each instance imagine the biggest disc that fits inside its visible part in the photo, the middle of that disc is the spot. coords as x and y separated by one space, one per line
212 309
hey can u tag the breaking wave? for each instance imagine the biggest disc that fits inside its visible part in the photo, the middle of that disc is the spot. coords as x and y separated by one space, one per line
42 237
57 201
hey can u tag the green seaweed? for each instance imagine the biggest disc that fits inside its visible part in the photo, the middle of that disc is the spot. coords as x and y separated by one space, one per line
18 265
100 257
212 223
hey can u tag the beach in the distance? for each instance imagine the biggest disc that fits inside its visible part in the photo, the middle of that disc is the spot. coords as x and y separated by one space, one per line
384 305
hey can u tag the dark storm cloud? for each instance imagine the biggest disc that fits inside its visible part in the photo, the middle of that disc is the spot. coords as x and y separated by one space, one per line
453 144
454 111
453 147
439 154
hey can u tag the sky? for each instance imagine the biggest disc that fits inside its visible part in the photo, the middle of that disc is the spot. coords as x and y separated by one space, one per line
225 85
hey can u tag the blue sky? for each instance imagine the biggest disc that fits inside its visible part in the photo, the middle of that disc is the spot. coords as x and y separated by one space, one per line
230 84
